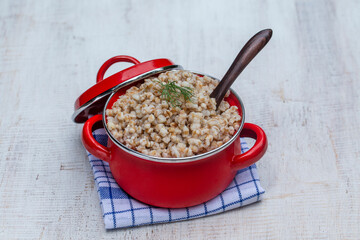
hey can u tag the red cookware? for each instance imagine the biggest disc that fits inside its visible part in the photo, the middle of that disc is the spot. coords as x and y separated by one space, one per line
162 182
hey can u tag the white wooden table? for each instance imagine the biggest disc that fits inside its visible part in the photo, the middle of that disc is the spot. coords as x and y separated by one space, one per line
303 89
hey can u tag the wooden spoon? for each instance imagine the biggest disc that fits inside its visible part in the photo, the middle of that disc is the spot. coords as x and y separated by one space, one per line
247 53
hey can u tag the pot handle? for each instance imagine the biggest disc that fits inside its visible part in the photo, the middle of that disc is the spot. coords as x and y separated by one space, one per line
256 152
89 141
111 61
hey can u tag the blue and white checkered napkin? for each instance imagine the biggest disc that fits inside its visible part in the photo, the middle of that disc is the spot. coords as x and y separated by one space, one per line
122 211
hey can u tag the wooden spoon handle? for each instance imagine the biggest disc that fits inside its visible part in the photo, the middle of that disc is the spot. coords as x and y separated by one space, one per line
247 53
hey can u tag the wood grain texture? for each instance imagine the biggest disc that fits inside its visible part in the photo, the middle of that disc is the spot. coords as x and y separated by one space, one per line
303 89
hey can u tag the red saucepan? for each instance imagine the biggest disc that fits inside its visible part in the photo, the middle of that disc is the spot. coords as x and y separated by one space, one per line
163 182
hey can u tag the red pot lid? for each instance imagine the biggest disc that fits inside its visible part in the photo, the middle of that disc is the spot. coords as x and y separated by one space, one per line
92 101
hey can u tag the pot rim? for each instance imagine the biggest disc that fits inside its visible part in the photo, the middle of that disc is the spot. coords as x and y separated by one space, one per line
174 160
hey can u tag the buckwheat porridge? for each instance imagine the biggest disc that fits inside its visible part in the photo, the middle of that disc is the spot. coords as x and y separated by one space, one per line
172 115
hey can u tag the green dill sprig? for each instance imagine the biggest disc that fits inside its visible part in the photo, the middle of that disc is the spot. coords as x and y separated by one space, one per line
174 94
